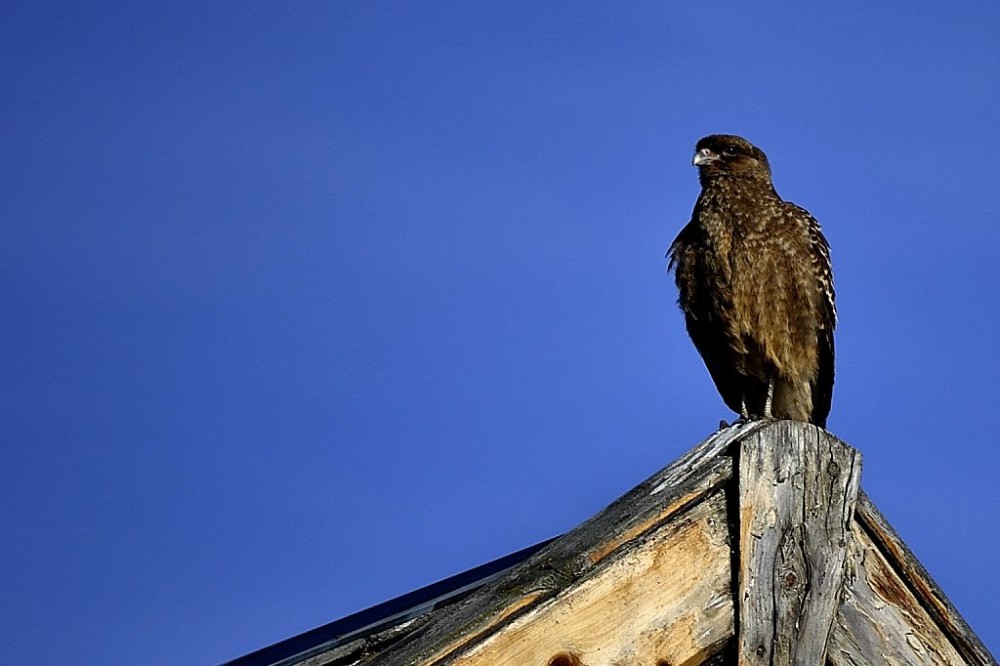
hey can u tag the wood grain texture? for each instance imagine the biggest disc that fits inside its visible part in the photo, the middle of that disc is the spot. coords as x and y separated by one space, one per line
569 560
797 490
880 617
666 599
923 586
753 548
893 609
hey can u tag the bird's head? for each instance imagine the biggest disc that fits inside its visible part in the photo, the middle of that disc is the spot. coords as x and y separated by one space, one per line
721 155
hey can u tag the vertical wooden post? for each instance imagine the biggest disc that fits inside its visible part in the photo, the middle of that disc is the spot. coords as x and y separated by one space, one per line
797 489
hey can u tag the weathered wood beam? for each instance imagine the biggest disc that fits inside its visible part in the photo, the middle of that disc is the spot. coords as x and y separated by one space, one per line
797 491
892 608
756 547
666 600
572 559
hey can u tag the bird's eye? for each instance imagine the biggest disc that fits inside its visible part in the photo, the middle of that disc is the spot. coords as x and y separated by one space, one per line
730 150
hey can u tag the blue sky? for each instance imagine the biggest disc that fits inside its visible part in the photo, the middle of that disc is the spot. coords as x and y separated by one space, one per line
306 305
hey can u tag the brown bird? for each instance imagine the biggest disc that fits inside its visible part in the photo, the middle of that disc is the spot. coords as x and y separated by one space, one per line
756 288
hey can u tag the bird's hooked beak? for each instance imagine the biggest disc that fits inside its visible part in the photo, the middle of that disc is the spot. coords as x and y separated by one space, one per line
703 157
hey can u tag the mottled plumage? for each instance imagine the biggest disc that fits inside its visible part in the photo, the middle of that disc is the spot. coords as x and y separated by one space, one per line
756 288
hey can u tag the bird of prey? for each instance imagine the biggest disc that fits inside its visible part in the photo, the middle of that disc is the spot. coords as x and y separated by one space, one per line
756 288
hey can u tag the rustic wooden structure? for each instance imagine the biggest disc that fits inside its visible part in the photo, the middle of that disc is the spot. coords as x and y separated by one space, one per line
756 547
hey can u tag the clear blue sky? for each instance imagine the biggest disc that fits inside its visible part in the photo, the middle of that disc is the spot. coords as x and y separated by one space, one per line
306 305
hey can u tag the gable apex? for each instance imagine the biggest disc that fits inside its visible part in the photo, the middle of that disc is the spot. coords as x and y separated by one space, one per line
756 546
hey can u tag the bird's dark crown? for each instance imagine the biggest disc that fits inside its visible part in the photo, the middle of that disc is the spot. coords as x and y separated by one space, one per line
728 154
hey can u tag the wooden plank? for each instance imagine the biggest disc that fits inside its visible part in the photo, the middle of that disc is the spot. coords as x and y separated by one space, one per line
656 577
667 599
568 560
797 490
893 609
880 618
924 587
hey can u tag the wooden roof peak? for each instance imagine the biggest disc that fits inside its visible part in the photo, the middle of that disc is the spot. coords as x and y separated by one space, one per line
757 546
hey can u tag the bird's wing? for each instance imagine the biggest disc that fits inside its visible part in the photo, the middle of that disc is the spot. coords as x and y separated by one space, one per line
822 388
716 349
702 318
685 237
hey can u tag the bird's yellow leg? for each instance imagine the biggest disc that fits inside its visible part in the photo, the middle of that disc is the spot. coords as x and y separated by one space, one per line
770 397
